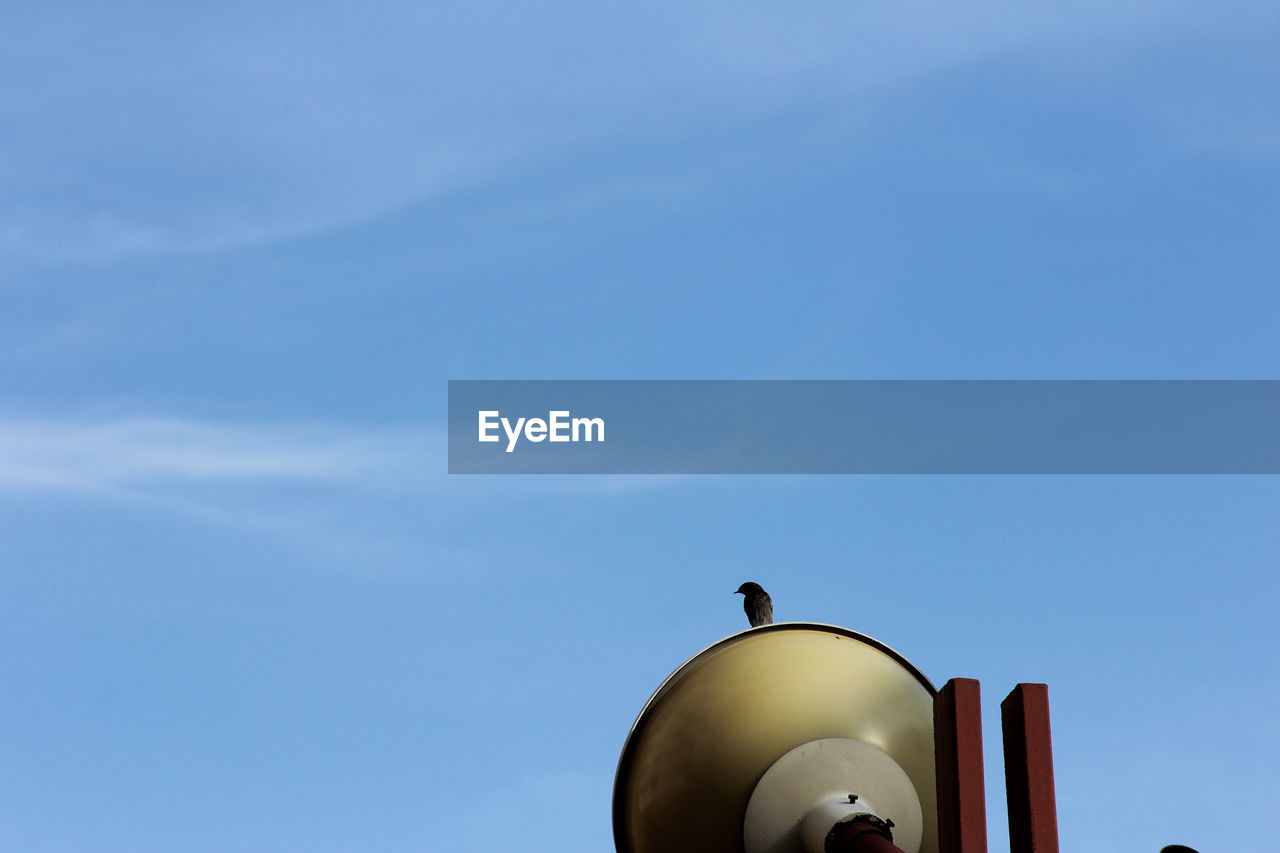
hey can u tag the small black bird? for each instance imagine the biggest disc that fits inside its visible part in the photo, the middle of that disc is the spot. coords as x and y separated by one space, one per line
757 603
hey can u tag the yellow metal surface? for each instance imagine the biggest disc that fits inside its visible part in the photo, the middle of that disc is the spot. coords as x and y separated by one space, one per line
720 721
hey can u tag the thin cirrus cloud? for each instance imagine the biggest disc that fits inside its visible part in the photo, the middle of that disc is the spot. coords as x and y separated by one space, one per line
140 455
339 491
144 129
184 463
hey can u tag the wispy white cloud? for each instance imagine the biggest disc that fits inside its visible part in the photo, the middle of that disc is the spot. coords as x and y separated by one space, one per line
153 456
351 495
141 454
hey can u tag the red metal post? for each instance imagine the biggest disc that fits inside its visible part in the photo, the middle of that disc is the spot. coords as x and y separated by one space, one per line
1028 770
957 738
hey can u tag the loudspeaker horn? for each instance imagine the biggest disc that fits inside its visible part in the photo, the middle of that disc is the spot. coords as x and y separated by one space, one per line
755 744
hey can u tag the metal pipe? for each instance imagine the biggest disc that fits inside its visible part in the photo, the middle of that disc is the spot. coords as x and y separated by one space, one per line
862 833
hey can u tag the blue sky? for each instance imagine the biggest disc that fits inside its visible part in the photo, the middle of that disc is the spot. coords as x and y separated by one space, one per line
243 248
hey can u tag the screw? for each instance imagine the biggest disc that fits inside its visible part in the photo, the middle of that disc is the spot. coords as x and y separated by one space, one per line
853 798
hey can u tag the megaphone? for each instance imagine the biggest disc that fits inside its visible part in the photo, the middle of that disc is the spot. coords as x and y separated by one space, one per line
764 741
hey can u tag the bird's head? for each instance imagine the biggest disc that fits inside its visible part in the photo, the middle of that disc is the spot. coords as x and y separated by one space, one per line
748 588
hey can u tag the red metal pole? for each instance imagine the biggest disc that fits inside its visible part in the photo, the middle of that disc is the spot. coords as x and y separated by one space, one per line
957 737
1028 770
